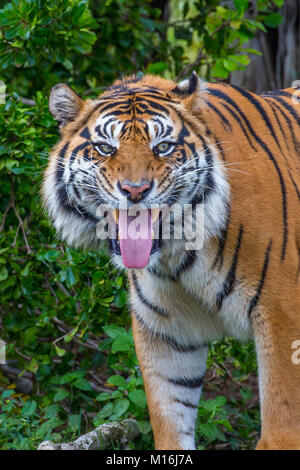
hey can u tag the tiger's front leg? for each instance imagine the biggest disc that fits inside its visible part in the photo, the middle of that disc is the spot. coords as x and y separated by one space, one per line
173 377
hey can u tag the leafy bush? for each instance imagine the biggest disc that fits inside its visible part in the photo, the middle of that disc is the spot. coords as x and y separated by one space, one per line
63 313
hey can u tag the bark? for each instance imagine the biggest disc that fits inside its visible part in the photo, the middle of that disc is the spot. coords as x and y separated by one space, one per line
103 437
279 64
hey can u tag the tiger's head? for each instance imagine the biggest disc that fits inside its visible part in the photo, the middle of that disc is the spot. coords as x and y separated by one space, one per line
141 142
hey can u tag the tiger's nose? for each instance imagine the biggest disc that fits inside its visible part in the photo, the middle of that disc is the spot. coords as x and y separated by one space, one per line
135 191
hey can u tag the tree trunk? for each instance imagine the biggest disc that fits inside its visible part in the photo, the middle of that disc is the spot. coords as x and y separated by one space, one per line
279 64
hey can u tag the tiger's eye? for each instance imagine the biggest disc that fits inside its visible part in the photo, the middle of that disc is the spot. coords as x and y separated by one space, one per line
163 146
106 148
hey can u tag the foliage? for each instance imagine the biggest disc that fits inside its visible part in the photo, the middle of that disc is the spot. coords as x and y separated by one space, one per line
221 33
63 313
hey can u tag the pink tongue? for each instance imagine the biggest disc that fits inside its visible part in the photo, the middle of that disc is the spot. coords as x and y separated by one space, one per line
135 238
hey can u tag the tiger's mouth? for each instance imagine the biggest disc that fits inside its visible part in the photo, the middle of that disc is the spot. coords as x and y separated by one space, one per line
135 237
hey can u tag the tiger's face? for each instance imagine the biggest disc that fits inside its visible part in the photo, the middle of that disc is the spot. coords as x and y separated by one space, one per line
122 157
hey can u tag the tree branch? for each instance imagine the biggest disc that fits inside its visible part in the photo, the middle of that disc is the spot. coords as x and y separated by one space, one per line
189 67
103 437
5 215
27 101
13 204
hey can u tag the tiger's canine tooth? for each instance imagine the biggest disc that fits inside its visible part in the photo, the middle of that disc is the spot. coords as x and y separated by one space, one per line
115 214
154 214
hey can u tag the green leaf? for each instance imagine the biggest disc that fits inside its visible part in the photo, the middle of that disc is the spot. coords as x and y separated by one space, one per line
121 298
144 427
241 5
30 335
33 365
59 351
220 401
61 394
253 51
157 68
70 278
26 271
106 411
230 65
113 331
103 396
121 406
219 70
83 384
7 393
122 343
209 430
138 397
71 335
52 255
278 3
273 20
29 408
117 380
3 273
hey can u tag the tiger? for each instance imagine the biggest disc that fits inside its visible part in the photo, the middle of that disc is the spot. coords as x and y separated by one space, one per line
230 155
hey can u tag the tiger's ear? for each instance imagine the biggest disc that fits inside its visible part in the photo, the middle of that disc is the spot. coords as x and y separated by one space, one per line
187 87
64 104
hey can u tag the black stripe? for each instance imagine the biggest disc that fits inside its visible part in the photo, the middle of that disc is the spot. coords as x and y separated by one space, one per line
76 150
85 133
240 123
155 95
187 263
160 274
275 106
295 185
86 154
106 124
276 117
221 116
153 104
264 146
74 209
84 119
290 109
231 275
222 240
255 298
298 270
144 300
289 124
60 169
207 186
265 94
185 403
182 348
62 194
251 98
195 382
114 104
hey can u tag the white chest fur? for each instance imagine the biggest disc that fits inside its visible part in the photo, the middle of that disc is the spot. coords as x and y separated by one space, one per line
186 307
